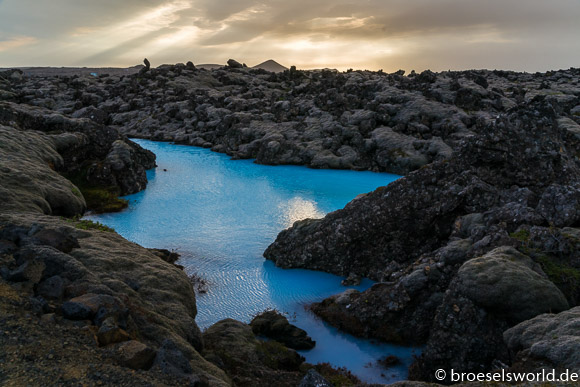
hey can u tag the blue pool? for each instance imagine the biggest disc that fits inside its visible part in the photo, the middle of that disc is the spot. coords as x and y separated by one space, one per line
221 214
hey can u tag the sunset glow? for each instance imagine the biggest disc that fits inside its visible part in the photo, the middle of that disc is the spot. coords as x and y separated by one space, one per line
528 35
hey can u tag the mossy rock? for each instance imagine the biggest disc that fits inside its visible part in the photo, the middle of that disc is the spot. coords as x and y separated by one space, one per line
101 200
509 283
564 276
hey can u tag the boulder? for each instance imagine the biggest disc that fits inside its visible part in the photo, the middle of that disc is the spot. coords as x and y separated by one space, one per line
510 284
28 181
58 240
172 361
28 271
550 340
52 288
275 326
314 379
135 355
110 333
235 64
233 346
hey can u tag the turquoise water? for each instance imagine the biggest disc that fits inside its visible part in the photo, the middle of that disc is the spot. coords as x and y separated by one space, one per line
221 214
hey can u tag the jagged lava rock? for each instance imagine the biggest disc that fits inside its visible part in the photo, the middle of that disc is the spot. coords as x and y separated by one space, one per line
275 326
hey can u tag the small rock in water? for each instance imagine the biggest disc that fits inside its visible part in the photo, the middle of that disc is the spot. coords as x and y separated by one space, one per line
352 280
276 327
389 361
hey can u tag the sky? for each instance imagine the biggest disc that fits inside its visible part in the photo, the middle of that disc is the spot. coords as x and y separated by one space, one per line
522 35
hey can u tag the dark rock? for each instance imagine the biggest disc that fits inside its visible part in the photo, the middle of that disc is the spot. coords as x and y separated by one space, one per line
509 284
146 68
235 64
275 326
7 247
166 255
52 288
481 81
28 181
56 262
389 361
110 333
76 311
90 154
488 294
92 113
29 271
59 240
546 341
95 276
39 306
89 305
469 99
314 379
426 76
135 355
171 360
247 360
351 280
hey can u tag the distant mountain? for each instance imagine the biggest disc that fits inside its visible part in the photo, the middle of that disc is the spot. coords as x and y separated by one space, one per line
271 65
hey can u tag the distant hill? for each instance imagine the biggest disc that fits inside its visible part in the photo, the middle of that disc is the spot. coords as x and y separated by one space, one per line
209 66
271 65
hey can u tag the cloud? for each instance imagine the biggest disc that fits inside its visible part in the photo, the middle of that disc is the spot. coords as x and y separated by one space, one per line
389 34
16 42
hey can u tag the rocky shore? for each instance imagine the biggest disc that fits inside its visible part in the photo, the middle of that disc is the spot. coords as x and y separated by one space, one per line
79 304
475 255
475 250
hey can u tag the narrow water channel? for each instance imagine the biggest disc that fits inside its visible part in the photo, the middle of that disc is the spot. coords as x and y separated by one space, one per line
221 214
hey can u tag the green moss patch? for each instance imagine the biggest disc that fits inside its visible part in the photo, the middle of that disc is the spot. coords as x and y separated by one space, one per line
522 235
86 224
102 200
565 277
99 199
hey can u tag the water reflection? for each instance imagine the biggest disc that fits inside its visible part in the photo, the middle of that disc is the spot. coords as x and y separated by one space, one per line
298 209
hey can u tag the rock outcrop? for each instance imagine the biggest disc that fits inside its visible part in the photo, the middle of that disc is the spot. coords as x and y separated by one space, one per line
60 271
324 119
547 341
92 154
442 242
275 326
29 179
232 346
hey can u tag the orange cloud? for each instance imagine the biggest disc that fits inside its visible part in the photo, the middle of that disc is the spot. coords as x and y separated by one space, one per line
16 42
